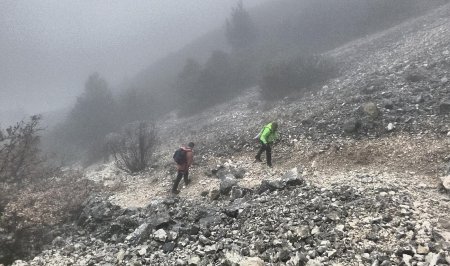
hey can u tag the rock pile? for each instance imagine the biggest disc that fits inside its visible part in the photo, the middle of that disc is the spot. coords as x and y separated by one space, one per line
282 222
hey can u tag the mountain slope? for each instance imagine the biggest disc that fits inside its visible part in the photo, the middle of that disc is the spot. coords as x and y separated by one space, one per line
368 146
328 132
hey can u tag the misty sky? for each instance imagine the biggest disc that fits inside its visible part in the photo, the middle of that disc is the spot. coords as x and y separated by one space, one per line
49 47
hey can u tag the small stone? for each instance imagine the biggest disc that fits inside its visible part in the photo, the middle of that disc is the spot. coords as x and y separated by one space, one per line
315 231
180 262
445 181
340 227
284 255
214 194
252 261
390 127
211 249
120 256
371 109
160 235
423 249
193 261
407 259
143 251
232 258
168 247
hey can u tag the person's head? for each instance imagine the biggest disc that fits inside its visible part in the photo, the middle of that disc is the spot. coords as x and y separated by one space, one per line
191 145
274 126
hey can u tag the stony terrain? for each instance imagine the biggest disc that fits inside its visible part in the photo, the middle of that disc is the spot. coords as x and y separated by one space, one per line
355 178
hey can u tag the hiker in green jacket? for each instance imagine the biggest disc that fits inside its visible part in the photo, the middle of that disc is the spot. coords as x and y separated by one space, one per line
266 137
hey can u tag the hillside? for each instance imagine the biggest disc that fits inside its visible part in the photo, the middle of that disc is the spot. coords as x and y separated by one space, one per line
355 178
285 29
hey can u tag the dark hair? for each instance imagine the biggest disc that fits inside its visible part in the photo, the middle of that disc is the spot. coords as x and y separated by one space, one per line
191 144
275 125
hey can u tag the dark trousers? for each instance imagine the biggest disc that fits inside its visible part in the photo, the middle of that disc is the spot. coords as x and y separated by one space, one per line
180 175
268 149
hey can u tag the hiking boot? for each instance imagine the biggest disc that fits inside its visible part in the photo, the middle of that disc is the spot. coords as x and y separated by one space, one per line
269 165
187 183
257 159
175 192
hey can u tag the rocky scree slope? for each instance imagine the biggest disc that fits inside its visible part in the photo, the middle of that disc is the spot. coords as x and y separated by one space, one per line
281 222
387 111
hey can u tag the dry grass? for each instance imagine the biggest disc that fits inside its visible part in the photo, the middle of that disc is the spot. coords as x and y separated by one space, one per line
47 202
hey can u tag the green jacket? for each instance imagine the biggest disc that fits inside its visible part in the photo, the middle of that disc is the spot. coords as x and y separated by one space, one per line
268 135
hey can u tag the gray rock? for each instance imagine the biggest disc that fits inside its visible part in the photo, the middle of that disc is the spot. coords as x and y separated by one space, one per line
445 182
214 194
168 247
226 185
232 258
160 235
302 232
271 185
390 127
423 249
313 263
180 262
371 110
253 261
211 249
284 255
237 192
194 261
141 233
351 126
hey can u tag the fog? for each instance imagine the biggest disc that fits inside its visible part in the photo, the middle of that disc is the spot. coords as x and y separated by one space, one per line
49 47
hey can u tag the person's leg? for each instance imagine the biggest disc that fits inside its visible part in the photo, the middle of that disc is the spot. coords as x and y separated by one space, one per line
269 155
177 181
261 150
186 177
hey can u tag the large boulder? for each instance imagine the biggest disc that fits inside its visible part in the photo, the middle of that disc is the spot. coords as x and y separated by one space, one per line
292 178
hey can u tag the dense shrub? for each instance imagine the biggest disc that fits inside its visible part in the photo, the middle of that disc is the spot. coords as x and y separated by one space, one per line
298 74
133 147
20 157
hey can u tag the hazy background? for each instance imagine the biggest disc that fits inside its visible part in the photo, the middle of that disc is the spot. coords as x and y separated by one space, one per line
49 47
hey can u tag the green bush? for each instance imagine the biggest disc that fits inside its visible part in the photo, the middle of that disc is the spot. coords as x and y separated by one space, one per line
296 75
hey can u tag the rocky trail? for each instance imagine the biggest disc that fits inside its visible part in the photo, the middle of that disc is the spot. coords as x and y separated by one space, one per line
356 177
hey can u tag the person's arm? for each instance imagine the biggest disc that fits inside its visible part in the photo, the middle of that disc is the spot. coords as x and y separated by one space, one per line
189 158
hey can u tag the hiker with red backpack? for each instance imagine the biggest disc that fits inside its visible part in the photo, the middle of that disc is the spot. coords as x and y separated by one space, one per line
183 157
266 137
